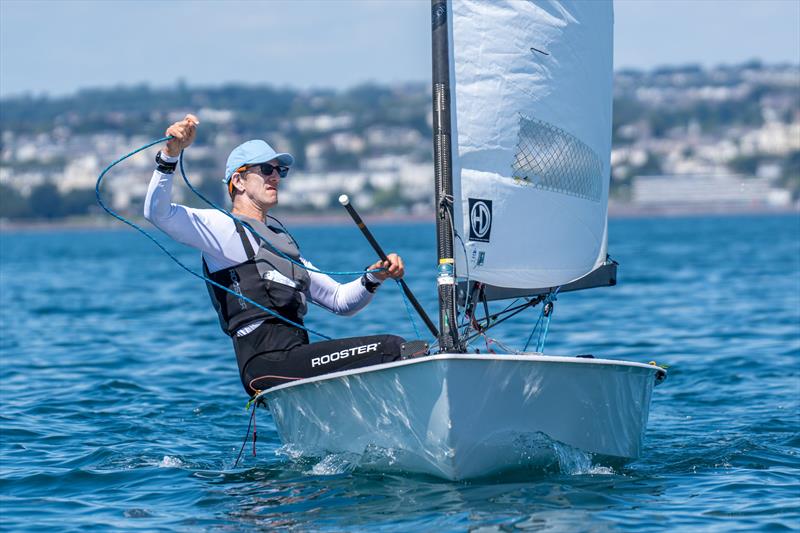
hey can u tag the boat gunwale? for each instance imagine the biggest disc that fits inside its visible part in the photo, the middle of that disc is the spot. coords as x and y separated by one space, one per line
464 356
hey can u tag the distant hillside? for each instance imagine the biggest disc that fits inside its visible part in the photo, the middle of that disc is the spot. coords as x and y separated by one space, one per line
665 98
742 119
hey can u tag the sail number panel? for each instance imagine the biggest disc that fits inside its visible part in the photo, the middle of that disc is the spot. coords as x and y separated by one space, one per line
552 159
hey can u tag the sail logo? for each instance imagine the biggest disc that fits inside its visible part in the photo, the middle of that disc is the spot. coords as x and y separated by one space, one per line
480 220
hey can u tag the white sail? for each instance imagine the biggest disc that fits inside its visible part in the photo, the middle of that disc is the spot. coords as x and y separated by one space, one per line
531 101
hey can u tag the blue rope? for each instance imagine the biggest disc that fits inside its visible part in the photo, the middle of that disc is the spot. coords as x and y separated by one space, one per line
257 234
408 310
245 224
175 259
543 332
532 333
543 336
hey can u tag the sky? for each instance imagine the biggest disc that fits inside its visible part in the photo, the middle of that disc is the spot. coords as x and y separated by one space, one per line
58 47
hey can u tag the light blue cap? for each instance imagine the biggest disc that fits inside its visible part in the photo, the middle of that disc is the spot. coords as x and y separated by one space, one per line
252 153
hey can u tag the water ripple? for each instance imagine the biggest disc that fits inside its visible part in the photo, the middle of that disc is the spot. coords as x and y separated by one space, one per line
120 407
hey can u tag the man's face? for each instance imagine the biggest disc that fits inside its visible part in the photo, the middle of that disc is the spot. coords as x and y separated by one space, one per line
260 188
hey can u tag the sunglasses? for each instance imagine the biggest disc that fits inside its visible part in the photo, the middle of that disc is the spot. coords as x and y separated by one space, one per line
267 169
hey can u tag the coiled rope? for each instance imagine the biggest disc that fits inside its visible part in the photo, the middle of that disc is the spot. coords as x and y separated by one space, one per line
233 217
168 253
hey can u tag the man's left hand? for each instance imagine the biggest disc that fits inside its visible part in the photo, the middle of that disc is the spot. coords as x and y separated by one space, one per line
394 268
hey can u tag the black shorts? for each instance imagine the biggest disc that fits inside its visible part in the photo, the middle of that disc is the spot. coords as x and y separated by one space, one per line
277 353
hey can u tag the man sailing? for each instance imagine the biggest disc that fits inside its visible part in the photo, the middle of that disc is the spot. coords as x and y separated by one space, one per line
269 350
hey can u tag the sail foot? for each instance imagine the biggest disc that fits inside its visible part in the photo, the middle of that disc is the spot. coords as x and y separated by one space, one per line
603 276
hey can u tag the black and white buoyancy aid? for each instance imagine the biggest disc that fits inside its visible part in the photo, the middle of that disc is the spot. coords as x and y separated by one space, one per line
262 278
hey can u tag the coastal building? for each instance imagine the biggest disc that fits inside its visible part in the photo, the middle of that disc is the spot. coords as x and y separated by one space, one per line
707 192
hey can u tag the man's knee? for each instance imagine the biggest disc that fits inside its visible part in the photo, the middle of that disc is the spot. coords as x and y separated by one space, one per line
394 343
374 349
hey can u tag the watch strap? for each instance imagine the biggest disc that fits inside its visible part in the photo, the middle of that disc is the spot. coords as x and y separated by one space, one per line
163 166
368 284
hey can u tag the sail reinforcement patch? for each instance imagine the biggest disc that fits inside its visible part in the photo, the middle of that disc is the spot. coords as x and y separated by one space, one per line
551 159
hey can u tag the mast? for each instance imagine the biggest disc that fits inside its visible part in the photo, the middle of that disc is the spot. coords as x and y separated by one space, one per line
443 177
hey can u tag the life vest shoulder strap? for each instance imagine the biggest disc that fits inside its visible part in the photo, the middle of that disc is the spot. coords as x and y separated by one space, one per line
248 247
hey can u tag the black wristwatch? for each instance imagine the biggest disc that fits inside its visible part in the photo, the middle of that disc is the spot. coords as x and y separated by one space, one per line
165 167
371 286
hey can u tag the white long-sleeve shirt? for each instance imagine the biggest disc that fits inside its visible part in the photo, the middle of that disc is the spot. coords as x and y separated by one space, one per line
214 234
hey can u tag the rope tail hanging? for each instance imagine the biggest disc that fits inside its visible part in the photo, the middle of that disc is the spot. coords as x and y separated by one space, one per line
246 435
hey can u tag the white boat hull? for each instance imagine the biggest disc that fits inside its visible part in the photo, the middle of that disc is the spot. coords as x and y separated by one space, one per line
462 416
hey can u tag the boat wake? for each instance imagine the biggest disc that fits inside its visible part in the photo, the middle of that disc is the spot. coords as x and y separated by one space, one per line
537 455
171 462
576 462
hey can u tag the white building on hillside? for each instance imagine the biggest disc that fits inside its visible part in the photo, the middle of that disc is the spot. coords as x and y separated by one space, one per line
707 190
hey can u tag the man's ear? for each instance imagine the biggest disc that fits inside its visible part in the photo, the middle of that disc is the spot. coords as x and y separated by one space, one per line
236 179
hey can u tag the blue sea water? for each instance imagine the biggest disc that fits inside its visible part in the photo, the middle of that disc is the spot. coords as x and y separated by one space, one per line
121 408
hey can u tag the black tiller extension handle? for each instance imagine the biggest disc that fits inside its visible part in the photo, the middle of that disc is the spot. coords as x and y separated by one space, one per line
345 201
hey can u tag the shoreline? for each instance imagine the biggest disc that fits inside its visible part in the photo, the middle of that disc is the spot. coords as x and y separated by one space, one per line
615 211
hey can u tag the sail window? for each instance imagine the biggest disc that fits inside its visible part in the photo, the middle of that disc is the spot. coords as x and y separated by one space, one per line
551 159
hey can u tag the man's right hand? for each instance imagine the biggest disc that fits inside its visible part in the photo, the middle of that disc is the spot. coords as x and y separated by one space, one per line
183 133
